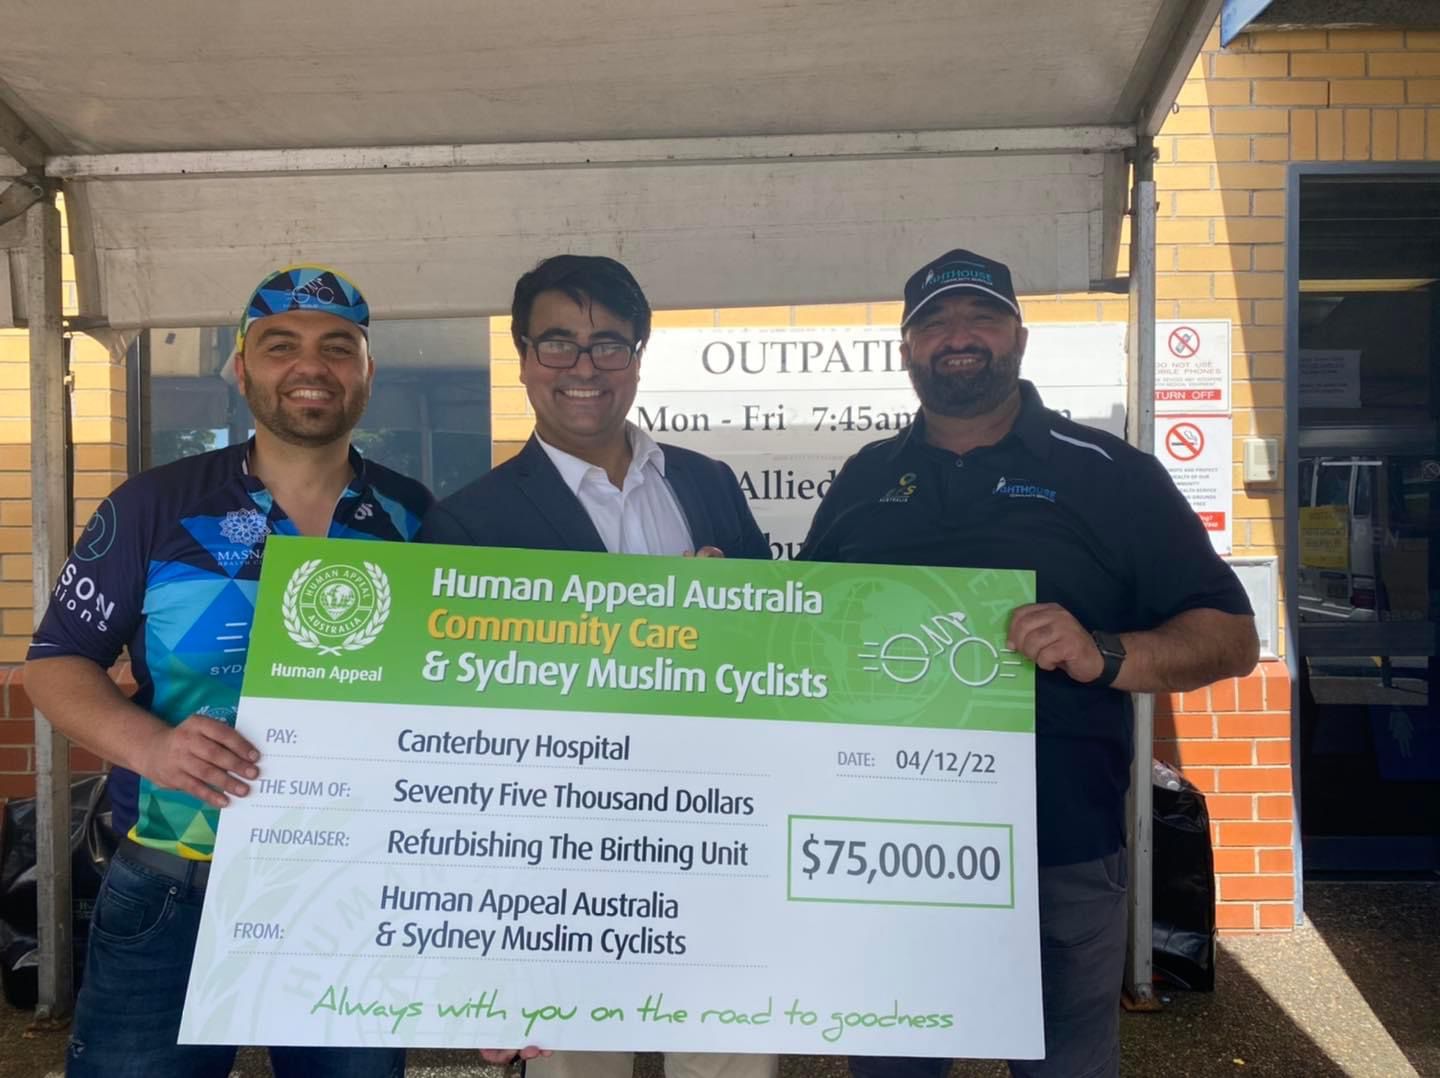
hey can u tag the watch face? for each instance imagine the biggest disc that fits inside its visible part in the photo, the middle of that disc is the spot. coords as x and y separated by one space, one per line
1109 644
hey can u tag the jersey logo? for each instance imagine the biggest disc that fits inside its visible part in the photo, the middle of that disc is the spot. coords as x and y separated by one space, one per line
902 491
1022 488
99 534
335 608
244 527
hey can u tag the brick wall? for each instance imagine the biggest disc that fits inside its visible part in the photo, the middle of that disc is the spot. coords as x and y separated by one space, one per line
16 597
511 417
1243 114
1232 740
17 733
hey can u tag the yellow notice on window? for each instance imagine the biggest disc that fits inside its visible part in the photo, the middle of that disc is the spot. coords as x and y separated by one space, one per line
1325 537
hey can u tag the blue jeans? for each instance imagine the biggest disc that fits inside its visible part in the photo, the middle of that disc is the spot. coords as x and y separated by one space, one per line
127 1018
1083 923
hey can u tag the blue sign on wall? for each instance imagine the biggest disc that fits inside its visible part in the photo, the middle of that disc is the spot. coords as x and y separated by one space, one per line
1238 14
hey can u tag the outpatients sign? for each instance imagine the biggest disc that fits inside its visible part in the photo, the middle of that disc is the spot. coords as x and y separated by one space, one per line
786 406
603 802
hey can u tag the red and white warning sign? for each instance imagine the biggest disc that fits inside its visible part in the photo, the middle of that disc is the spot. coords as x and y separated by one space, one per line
1192 366
1184 441
1183 342
1196 451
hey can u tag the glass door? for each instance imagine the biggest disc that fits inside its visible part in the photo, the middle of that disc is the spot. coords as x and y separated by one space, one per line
1368 506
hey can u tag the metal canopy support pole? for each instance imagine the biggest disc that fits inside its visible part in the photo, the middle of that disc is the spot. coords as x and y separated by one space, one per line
1139 990
48 494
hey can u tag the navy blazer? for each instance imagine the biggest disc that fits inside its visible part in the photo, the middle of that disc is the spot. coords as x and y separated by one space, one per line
525 503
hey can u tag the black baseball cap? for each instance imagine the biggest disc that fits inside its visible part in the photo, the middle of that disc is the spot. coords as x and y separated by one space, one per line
956 270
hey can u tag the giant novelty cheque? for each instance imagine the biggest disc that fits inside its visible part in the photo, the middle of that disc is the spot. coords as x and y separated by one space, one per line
603 802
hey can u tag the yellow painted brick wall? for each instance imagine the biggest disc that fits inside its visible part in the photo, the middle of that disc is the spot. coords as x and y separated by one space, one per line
98 400
511 417
1243 114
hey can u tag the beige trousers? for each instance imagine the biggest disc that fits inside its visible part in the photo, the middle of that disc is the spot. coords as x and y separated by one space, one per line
677 1065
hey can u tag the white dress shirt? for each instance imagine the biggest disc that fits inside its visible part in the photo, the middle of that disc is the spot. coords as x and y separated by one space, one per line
643 516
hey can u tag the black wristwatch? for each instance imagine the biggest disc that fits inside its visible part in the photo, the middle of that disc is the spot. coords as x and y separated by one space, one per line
1113 652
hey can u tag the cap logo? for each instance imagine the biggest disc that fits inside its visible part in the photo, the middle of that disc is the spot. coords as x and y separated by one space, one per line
313 293
953 271
958 271
305 288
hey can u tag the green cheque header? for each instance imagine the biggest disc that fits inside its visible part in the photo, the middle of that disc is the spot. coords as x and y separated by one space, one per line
395 623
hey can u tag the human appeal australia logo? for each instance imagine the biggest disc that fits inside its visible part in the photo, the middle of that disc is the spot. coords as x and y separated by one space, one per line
335 608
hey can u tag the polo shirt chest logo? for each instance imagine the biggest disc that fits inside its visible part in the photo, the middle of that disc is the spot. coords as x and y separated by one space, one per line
902 491
1022 488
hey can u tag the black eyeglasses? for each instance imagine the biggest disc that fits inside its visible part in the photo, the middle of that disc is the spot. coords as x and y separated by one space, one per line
561 354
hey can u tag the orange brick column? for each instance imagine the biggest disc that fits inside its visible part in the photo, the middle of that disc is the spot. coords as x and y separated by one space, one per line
1232 740
17 733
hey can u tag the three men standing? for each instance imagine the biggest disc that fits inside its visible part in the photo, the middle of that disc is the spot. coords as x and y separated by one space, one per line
1132 599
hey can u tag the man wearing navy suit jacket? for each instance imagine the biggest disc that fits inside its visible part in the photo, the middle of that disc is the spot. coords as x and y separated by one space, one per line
589 480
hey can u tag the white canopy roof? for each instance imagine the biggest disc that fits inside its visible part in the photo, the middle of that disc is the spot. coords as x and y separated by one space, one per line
730 151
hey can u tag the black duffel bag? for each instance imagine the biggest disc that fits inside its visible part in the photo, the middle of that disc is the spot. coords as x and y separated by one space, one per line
1183 940
91 843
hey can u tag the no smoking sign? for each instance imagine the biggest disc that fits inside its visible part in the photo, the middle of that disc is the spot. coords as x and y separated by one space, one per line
1184 441
1196 451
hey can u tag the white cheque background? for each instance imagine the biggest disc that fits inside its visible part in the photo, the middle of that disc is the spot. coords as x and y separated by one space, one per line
748 948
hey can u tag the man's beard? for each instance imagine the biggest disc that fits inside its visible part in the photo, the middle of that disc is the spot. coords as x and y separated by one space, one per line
966 394
295 424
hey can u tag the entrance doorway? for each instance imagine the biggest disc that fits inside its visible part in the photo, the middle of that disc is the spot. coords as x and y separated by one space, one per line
1365 502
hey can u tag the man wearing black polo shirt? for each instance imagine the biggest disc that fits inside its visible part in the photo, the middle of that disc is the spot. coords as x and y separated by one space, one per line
1132 598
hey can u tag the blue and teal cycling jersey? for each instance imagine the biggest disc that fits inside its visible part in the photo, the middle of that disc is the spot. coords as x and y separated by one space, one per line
168 567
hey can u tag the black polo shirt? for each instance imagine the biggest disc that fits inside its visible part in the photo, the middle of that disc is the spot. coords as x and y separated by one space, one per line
1109 537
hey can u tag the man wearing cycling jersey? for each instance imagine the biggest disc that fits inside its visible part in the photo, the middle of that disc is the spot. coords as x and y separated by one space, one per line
168 568
1132 599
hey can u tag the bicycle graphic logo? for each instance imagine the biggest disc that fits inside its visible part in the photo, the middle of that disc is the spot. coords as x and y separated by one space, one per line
313 294
905 658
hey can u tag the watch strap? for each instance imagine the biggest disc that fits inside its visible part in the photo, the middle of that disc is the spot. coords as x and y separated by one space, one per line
1113 652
